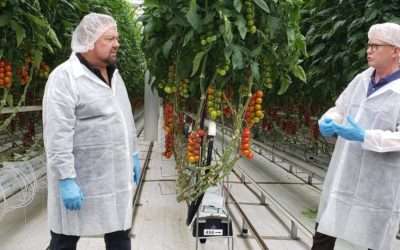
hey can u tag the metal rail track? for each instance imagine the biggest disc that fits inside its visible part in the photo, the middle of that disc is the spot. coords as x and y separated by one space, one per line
246 220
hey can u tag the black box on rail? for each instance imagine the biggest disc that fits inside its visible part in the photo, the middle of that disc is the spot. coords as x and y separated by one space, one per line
212 227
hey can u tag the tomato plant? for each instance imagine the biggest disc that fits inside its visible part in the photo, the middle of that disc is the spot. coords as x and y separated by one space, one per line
223 51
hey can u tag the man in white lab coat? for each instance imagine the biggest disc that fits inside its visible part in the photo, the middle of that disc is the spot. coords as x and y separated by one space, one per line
90 141
360 201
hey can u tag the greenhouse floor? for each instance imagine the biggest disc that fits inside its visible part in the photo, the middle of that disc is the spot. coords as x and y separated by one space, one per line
160 221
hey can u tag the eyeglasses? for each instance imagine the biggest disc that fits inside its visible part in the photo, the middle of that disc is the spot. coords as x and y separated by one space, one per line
374 46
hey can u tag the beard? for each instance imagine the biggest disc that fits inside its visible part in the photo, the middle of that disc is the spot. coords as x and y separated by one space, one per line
110 59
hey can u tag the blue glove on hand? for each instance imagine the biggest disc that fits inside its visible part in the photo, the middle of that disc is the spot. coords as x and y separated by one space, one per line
71 194
326 127
351 132
137 170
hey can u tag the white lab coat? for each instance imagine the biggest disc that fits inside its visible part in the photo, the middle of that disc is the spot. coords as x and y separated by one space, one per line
89 134
360 201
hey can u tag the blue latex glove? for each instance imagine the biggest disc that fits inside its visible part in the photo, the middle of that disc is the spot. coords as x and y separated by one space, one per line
137 170
71 194
351 132
326 127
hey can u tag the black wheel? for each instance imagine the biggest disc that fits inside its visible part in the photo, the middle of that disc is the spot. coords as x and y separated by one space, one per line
203 241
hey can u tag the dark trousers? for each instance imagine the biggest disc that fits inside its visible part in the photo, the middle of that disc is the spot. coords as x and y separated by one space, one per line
118 240
323 241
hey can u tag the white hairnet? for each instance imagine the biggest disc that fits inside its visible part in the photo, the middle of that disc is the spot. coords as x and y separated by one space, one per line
90 29
386 32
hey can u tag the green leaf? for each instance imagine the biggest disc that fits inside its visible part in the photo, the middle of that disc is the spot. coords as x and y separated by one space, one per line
338 25
255 71
188 37
166 48
192 16
237 58
299 72
69 5
285 83
4 20
37 57
36 20
262 5
257 51
19 32
317 49
238 5
241 25
228 53
53 37
197 61
228 36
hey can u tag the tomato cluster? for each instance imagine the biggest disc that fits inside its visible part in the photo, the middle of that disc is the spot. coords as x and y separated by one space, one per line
23 74
194 145
223 69
250 16
44 71
254 113
266 72
169 129
227 111
208 39
5 74
245 149
184 88
214 99
169 87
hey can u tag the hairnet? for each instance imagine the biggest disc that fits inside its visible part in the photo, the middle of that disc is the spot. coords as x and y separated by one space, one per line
386 32
90 29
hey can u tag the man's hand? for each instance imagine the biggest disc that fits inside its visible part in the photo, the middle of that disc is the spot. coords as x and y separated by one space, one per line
70 193
351 132
137 170
326 127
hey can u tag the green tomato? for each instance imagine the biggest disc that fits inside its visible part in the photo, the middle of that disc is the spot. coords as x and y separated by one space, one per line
203 42
210 39
213 115
253 29
167 90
